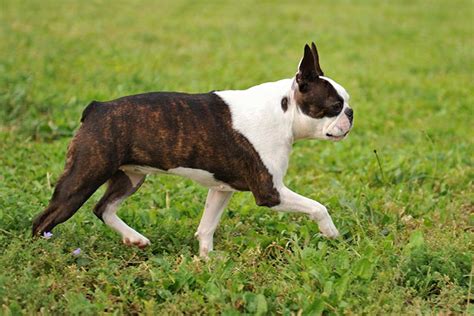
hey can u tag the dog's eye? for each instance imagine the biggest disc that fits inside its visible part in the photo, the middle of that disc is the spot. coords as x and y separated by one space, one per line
334 109
337 107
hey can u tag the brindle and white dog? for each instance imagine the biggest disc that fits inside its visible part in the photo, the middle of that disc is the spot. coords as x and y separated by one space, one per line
235 140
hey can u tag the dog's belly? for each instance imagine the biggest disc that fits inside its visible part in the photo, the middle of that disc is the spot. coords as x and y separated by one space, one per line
202 177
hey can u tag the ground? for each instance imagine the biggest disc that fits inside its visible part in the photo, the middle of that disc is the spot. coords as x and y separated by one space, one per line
399 188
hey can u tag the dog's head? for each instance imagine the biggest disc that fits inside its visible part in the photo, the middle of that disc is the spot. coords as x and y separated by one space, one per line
322 105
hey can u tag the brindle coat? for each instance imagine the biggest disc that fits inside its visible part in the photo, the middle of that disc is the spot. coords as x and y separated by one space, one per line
159 130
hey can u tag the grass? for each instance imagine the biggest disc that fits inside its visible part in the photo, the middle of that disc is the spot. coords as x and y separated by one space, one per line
406 220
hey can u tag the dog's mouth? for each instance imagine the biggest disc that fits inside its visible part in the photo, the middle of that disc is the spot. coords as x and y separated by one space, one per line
337 137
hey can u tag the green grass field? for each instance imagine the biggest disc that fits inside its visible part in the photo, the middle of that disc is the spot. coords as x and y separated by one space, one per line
407 224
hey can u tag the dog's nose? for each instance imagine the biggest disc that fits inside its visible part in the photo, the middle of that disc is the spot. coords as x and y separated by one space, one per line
350 114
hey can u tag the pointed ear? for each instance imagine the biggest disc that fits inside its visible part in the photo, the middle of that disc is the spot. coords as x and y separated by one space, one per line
306 70
316 60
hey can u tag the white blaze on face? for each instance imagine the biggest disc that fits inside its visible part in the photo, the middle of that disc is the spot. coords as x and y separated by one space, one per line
340 89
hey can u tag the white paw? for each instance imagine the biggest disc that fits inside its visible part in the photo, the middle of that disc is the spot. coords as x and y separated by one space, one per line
205 244
204 253
328 228
204 248
136 240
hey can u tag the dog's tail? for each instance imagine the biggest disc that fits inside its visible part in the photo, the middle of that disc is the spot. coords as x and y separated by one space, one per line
89 109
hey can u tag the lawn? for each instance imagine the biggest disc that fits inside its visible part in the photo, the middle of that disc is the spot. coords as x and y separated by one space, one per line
399 188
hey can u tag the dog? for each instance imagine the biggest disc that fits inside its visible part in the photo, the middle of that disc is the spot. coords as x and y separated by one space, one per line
227 141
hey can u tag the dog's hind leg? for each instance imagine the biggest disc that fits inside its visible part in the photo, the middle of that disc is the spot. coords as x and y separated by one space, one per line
120 186
75 186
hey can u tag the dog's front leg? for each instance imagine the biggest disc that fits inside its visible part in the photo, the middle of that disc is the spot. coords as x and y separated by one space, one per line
215 203
293 202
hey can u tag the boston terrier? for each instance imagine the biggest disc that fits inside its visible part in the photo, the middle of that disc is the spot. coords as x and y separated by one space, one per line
232 140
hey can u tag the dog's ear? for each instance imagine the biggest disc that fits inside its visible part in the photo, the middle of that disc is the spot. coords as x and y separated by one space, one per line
316 60
306 69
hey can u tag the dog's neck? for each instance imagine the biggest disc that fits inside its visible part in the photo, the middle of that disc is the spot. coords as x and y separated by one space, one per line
264 106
